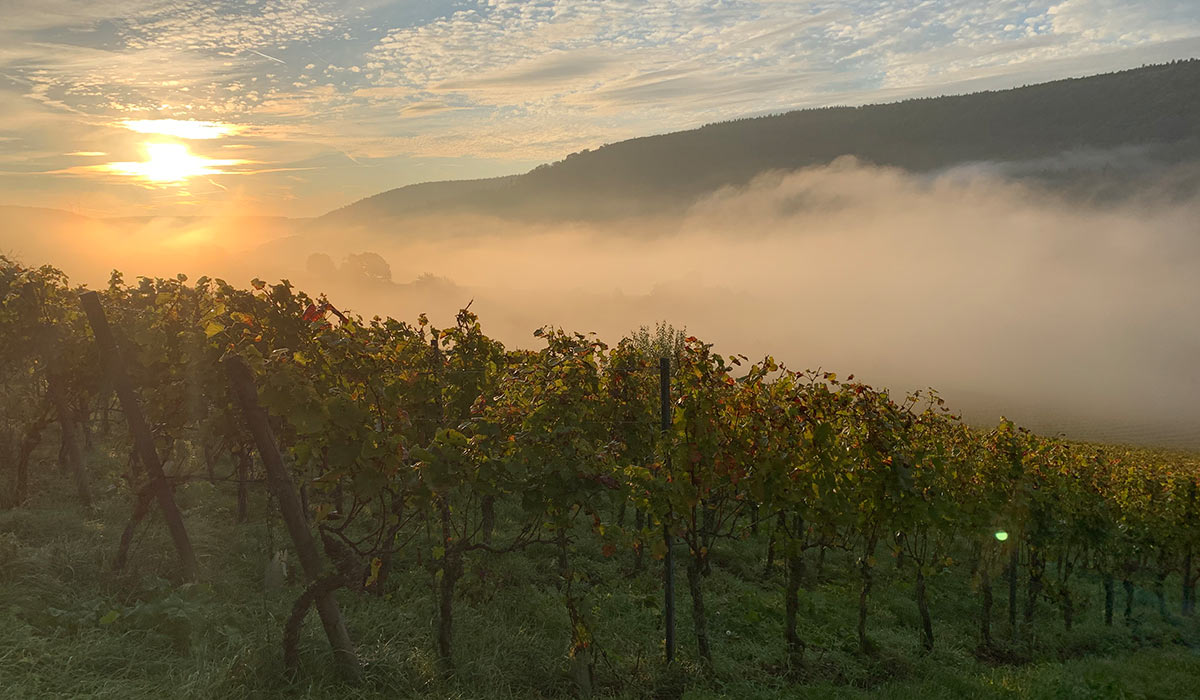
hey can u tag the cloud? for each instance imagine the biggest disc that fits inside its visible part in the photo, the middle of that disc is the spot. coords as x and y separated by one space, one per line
690 88
515 81
230 24
1126 22
169 58
183 129
560 69
426 108
33 15
691 62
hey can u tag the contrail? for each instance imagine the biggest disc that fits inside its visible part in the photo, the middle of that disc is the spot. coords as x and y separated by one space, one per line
260 53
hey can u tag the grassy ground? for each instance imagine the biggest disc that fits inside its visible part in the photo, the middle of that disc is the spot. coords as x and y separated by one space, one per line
73 628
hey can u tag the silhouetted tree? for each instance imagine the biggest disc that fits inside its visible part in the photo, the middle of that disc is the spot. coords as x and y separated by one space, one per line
368 267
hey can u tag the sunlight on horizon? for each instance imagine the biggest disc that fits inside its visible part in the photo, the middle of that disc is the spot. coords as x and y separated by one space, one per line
170 163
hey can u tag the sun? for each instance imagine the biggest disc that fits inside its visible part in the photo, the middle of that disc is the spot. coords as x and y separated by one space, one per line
170 163
173 162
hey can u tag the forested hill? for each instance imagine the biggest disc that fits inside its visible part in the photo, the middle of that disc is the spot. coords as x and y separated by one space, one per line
1155 106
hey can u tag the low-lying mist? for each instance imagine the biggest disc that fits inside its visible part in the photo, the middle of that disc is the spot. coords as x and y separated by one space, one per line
1064 316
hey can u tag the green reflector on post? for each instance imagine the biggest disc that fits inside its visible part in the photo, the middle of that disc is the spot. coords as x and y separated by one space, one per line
1002 535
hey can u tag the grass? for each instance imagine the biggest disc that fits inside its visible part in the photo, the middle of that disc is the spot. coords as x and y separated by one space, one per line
74 628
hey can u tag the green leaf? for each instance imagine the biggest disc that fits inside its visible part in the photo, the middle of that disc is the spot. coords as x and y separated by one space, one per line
110 617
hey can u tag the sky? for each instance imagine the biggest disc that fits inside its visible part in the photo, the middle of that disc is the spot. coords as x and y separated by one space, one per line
293 108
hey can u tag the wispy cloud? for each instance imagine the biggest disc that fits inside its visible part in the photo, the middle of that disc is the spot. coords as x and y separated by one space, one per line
181 128
679 63
230 25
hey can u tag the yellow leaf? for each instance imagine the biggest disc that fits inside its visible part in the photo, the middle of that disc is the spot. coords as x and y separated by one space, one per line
376 565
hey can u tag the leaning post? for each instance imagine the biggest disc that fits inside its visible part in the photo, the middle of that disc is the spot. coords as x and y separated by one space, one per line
143 439
245 392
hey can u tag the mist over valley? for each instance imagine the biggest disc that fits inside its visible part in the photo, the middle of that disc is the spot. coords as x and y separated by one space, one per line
1029 253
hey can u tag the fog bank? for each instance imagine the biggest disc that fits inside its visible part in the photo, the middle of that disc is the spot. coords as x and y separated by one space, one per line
1063 315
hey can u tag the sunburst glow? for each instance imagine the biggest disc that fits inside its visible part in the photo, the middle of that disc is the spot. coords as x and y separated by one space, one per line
180 128
170 163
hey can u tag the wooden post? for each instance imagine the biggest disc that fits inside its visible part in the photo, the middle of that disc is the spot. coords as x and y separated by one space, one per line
29 442
143 439
66 422
243 475
664 381
279 479
1014 561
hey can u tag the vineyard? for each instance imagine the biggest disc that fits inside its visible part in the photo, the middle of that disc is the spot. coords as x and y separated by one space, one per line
644 519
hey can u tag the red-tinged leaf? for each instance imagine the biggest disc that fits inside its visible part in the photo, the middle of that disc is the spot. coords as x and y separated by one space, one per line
312 313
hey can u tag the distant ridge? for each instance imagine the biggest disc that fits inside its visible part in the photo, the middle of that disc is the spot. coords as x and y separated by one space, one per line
1154 106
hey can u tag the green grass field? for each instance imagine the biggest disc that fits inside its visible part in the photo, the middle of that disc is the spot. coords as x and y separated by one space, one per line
74 628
